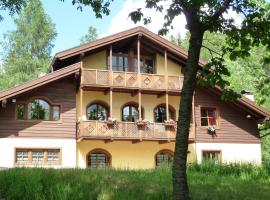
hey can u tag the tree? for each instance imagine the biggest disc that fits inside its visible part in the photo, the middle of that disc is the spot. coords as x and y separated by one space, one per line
254 73
27 50
13 6
90 36
202 16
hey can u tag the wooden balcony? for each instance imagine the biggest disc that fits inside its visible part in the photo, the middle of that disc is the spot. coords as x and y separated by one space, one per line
132 80
127 131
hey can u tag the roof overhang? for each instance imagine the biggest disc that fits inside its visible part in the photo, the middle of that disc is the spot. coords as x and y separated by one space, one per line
249 106
33 84
75 53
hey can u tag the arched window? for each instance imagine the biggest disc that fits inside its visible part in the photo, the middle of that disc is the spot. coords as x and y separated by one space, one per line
164 157
98 158
97 111
130 112
39 109
160 113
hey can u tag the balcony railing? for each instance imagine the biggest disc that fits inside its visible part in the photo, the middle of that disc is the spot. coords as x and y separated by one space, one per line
94 77
126 130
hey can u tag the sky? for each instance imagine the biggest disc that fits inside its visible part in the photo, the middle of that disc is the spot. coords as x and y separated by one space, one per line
71 23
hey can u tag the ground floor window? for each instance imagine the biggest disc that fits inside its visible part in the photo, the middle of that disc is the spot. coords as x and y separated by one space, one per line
38 156
164 157
98 158
211 156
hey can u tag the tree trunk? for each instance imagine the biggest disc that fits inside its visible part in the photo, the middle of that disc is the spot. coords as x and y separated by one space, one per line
180 185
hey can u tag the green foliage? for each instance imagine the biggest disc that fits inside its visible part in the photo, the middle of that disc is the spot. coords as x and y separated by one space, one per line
27 50
249 73
90 36
207 181
100 7
13 6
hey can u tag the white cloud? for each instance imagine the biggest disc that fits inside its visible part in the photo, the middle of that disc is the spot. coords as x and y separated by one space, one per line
122 22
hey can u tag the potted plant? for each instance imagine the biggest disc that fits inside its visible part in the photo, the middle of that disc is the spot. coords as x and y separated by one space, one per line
111 121
211 130
141 122
169 123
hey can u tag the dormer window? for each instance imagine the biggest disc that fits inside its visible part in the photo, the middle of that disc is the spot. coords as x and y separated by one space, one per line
38 109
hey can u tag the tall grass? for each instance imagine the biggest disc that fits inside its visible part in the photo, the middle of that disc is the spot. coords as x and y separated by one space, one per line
206 182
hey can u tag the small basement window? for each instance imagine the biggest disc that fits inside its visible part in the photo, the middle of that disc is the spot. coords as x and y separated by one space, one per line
211 156
209 116
98 158
164 157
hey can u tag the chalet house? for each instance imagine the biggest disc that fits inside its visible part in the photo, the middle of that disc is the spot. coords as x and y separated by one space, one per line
114 102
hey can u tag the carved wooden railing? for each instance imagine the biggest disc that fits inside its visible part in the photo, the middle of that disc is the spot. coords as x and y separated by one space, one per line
126 130
131 80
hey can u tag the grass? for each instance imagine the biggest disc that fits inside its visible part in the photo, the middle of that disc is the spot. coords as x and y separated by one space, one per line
207 182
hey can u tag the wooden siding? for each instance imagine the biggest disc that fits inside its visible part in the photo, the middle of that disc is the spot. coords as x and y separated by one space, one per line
61 92
234 126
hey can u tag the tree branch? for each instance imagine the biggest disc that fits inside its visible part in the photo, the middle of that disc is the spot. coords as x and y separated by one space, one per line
214 18
264 135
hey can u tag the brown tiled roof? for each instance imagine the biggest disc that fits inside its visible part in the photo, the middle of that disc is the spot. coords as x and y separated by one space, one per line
120 36
40 81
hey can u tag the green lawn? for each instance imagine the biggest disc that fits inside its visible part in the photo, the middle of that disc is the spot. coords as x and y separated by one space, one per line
206 182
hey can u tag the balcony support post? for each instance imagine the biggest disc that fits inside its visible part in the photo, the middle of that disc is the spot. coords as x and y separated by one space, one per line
81 104
140 105
111 102
139 59
167 106
110 69
166 69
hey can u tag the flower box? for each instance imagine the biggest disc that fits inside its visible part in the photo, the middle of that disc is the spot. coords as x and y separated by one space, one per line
170 123
211 130
111 121
141 122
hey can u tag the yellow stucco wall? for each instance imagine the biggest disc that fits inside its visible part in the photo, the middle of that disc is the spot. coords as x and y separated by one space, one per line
149 102
173 68
127 155
98 61
95 61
